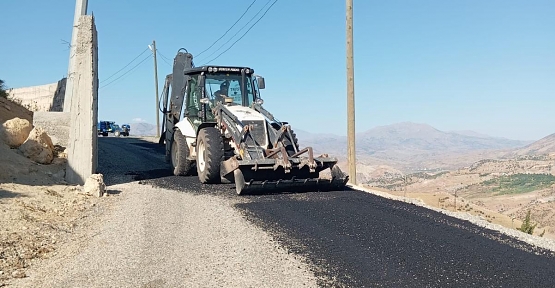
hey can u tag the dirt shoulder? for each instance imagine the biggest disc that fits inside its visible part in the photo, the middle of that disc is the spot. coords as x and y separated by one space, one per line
36 221
39 211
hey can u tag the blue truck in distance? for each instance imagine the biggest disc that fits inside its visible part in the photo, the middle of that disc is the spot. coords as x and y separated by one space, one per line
107 127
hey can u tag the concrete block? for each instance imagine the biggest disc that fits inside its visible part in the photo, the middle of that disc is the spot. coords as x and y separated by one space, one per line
83 141
56 125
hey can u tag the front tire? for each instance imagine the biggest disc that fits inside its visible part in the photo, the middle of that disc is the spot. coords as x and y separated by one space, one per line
179 153
210 154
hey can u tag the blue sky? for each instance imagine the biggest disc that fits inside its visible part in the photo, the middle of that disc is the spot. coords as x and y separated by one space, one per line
486 66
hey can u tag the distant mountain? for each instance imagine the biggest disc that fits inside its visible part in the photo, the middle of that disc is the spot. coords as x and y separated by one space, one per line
410 137
471 133
412 146
545 145
423 137
142 129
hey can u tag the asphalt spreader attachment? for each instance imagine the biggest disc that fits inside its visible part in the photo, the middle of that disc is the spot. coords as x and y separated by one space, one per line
247 182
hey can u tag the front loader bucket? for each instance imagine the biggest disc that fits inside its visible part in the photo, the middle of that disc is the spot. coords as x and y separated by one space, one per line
247 182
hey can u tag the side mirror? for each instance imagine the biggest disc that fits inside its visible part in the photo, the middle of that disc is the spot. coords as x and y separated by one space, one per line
261 83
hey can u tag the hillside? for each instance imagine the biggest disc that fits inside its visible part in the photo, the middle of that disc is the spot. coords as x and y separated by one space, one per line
545 145
9 110
499 190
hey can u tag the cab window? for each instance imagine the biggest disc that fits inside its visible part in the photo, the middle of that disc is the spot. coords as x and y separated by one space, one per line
218 86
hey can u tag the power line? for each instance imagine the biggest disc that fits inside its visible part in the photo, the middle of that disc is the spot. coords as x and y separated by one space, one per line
164 58
128 71
244 34
228 29
253 17
125 66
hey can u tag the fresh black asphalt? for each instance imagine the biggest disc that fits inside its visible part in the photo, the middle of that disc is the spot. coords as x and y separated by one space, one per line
356 239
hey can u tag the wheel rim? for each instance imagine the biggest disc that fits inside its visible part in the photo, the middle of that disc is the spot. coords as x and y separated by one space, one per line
201 161
174 154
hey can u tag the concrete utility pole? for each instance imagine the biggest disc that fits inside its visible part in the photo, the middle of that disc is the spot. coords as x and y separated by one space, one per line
80 10
153 49
351 155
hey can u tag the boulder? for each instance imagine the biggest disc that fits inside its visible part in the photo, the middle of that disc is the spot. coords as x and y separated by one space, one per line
14 131
94 185
38 146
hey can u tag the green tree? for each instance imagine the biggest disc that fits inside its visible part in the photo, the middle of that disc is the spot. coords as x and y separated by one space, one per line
3 88
527 226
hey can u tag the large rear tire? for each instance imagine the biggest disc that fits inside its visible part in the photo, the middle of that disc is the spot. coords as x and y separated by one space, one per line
210 154
179 153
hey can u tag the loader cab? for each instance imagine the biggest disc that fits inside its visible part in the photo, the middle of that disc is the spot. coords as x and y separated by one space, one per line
208 85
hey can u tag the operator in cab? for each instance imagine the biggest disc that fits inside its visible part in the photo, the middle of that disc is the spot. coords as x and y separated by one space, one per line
219 96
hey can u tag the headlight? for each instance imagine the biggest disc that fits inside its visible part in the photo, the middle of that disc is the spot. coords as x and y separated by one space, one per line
247 71
259 101
210 69
214 69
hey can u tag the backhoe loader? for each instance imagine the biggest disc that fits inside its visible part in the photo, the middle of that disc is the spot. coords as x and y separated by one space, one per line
214 122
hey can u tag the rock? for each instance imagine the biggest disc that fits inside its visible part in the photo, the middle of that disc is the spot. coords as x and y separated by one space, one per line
59 175
18 273
38 146
14 131
95 186
59 161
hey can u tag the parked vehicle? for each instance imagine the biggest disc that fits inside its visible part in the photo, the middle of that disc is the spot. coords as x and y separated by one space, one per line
125 128
107 127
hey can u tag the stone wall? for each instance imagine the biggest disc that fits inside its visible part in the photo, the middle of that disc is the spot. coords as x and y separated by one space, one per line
49 97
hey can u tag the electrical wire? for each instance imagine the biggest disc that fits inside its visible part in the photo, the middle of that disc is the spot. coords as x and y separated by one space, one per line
128 71
253 17
242 15
244 33
164 58
104 80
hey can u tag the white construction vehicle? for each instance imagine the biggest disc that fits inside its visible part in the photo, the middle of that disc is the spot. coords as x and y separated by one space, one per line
214 121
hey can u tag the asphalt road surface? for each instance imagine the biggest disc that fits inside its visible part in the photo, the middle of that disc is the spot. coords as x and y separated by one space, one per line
346 238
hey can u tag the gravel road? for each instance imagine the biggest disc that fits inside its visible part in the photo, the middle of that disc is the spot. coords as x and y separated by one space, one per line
157 237
174 232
